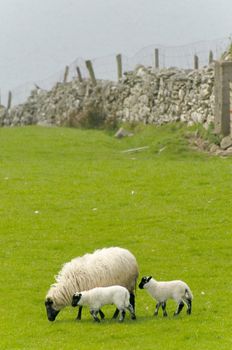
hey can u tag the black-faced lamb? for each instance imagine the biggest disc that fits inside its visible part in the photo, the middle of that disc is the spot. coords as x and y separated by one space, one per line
162 291
97 297
102 268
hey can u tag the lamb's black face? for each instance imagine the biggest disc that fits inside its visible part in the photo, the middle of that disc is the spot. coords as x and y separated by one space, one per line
76 298
144 280
51 313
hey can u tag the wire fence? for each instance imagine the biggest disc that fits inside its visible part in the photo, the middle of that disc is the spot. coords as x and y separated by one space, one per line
105 68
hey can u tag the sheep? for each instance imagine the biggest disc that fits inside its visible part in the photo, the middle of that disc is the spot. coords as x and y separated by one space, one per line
102 268
162 291
97 297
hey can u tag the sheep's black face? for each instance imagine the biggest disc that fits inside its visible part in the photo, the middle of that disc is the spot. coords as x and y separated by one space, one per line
144 280
51 313
75 299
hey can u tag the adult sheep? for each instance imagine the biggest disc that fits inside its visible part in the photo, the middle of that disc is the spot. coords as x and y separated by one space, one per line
104 267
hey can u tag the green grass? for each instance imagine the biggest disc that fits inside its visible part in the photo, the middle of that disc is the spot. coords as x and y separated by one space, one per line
65 192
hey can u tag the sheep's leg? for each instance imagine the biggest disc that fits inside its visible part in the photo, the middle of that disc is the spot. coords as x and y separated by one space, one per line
132 300
102 315
94 314
115 315
179 308
132 303
132 312
122 315
189 306
79 313
157 309
164 309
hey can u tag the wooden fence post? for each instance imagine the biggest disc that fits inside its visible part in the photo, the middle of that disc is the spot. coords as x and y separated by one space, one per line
156 58
210 56
196 62
66 74
79 74
9 100
91 72
230 109
119 66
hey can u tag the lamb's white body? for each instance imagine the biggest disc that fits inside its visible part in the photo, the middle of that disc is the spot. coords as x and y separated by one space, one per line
104 267
162 291
97 297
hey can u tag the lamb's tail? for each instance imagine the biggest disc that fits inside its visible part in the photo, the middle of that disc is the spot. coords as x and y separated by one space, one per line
188 294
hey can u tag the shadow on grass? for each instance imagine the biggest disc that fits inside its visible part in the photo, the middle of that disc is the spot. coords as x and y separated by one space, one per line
139 320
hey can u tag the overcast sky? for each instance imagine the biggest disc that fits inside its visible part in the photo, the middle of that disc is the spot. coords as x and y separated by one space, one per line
39 37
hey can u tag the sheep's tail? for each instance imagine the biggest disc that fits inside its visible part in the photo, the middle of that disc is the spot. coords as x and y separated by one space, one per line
188 294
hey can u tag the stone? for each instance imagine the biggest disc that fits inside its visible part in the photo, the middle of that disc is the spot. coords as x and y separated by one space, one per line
122 133
226 142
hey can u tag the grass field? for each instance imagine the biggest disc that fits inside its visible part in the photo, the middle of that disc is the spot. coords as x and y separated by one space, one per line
65 192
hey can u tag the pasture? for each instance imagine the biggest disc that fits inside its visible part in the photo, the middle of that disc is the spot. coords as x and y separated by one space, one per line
65 192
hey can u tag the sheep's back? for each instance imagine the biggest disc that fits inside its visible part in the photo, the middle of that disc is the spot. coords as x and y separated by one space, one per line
105 267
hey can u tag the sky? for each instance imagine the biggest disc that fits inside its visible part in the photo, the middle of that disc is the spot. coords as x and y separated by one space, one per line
39 37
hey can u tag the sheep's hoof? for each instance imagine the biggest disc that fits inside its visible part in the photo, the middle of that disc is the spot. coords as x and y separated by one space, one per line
165 314
133 317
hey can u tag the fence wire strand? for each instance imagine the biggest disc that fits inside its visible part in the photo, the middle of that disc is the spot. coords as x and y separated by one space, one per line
105 68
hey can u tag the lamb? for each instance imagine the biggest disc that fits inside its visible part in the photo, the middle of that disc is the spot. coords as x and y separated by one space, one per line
102 268
97 297
162 291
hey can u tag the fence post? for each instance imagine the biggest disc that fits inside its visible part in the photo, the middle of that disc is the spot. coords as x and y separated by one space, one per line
91 72
222 79
156 58
119 66
230 109
9 100
79 74
210 56
196 62
66 74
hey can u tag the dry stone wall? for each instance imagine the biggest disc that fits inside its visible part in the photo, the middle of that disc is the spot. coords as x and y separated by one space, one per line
143 95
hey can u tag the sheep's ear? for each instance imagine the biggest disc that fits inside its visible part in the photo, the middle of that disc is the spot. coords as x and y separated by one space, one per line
149 278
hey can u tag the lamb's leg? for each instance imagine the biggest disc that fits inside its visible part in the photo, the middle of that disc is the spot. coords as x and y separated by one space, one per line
132 312
189 306
115 315
94 314
157 309
164 309
179 308
122 315
79 313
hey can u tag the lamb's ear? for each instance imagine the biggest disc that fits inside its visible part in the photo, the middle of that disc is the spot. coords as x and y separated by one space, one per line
149 278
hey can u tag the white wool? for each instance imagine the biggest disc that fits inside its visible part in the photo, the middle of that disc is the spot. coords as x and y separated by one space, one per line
162 291
97 297
104 267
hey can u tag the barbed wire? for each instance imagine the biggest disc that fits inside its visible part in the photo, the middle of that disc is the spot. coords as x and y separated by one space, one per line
105 67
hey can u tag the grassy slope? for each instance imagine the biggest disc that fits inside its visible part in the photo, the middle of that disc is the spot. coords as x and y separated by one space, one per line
65 192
